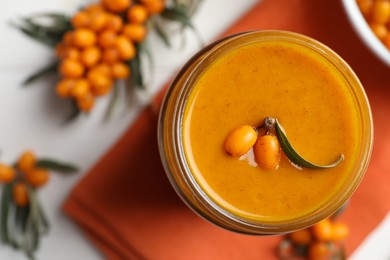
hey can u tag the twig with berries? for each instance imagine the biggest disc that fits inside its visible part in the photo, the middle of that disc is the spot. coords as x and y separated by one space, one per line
23 220
103 46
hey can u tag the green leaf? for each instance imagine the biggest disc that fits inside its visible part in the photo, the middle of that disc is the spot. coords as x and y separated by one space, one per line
46 71
136 78
160 33
21 216
113 101
293 155
56 166
74 113
5 207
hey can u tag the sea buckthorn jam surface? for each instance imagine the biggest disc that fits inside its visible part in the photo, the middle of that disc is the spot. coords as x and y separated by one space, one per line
311 99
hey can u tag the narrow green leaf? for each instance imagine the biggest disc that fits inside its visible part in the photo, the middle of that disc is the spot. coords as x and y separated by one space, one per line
5 206
113 102
293 155
21 216
46 71
74 113
160 33
56 166
136 77
45 225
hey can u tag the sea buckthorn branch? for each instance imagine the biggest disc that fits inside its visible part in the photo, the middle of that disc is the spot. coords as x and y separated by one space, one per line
22 220
267 147
102 45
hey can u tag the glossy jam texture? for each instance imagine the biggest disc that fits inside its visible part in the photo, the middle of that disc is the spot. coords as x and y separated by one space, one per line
311 100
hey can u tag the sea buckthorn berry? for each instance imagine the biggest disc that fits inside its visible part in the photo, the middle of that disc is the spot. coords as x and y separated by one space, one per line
379 30
83 38
81 20
81 88
68 38
240 140
100 83
103 68
134 32
27 161
98 21
120 71
380 11
94 8
107 38
37 177
267 152
125 48
116 6
323 230
154 7
86 102
71 68
64 87
340 231
114 23
70 53
20 194
110 55
59 49
91 56
301 237
7 173
137 14
365 7
319 251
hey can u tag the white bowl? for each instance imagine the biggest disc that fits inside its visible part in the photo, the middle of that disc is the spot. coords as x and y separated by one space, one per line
364 31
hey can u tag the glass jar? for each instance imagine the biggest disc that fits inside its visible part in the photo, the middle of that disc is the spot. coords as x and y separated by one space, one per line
177 167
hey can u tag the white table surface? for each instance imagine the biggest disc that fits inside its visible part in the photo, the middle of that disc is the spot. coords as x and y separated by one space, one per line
31 117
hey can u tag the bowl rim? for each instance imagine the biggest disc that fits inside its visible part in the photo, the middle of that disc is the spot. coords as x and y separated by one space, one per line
364 31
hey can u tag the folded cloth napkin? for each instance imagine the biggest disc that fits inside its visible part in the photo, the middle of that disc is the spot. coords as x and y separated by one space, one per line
128 209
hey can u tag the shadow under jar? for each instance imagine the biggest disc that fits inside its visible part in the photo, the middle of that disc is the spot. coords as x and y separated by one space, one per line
240 80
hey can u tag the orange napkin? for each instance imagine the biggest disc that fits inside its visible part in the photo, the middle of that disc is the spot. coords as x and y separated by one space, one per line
129 210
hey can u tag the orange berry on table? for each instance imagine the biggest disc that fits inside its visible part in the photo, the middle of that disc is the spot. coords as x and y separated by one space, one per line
323 230
103 68
116 6
98 21
86 102
110 55
267 152
37 177
64 87
135 32
27 161
81 20
20 194
84 38
59 49
71 68
101 84
340 231
240 140
71 53
81 88
68 38
120 71
94 8
380 12
125 48
114 23
154 6
7 173
107 38
319 251
301 237
90 56
137 14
